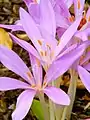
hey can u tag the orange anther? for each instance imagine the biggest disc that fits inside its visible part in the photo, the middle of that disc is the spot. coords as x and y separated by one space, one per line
41 52
38 62
29 74
71 19
48 46
45 53
89 18
40 42
79 5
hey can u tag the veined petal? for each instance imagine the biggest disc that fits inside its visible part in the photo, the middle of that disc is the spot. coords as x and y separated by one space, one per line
30 28
12 27
7 83
57 95
66 37
37 69
78 7
61 65
23 105
85 77
28 47
47 17
14 63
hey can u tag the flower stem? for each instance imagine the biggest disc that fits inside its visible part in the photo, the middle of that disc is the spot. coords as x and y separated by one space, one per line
51 107
71 92
44 106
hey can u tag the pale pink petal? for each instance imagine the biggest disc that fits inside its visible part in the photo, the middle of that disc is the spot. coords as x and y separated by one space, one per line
87 66
47 17
68 3
57 95
85 77
14 63
12 27
27 46
30 28
66 37
23 105
7 83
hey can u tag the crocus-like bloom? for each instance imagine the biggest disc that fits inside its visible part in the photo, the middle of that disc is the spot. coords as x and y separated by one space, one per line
40 25
43 36
62 12
32 84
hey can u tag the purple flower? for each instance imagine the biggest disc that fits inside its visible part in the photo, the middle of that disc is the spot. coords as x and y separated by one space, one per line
32 83
46 47
62 12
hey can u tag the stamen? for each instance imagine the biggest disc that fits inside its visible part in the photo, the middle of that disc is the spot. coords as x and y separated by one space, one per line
52 54
71 19
29 74
33 86
40 42
45 53
41 52
38 62
89 18
48 46
79 4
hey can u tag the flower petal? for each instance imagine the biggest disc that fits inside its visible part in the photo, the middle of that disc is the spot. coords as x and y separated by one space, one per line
57 95
14 63
7 83
25 45
61 65
30 28
66 37
68 3
34 10
78 7
87 66
47 21
85 77
23 105
12 27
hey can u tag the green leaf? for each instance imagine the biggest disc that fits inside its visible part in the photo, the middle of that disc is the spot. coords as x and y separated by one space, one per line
37 109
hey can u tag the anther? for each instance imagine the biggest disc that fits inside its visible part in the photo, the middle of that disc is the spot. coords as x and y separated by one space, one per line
40 42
